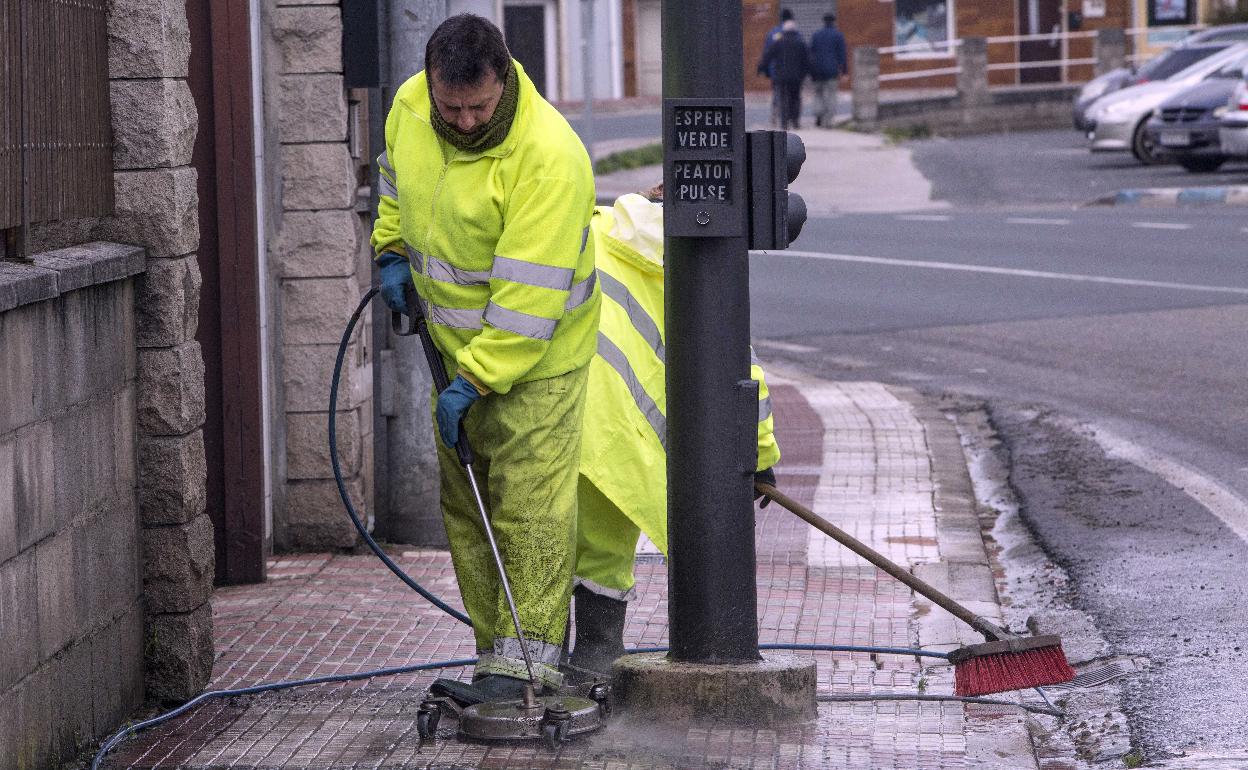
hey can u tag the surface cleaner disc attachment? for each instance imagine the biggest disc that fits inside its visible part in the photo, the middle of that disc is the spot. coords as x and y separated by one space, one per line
554 719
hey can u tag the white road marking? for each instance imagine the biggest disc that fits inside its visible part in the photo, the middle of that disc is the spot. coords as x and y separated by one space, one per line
1217 498
1010 271
1036 221
788 347
924 217
1161 226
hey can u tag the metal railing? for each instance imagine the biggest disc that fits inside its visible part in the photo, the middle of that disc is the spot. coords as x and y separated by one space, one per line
1064 62
55 118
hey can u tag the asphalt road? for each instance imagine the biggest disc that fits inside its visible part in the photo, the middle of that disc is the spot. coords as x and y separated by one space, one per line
1126 319
1050 168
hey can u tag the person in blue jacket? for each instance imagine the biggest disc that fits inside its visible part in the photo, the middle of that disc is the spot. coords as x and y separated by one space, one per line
774 36
828 67
788 59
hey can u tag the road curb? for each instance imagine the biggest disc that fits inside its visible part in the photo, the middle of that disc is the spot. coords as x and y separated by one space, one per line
1234 195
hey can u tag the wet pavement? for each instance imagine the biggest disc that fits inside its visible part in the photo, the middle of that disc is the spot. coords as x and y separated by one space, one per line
876 460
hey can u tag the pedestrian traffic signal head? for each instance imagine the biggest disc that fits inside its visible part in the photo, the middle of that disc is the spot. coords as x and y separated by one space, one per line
776 215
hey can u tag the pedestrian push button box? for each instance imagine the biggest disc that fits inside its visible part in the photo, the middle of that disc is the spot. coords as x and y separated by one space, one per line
704 168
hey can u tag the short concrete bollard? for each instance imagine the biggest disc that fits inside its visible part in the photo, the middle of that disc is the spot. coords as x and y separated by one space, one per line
778 689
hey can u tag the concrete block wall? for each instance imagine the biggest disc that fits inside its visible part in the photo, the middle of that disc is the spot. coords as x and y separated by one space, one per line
71 544
320 260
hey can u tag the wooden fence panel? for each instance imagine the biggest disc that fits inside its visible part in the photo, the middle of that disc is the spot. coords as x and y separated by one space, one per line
56 143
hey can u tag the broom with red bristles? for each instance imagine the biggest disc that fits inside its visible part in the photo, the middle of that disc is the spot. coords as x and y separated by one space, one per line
1005 662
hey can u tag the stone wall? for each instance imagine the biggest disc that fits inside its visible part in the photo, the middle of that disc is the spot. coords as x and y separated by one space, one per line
321 260
154 126
71 544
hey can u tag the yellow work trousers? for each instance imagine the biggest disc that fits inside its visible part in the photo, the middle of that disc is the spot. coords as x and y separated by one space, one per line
606 544
527 446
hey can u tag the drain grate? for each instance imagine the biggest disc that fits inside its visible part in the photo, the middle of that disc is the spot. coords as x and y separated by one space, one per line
1095 677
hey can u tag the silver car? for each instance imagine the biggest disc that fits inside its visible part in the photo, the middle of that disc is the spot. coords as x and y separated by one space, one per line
1118 120
1233 133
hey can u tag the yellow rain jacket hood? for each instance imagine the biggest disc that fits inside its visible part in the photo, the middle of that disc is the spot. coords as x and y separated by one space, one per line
497 240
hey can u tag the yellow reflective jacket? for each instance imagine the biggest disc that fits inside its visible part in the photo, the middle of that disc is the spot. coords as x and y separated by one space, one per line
497 240
622 445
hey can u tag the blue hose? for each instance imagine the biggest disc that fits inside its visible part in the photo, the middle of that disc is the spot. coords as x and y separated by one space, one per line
117 738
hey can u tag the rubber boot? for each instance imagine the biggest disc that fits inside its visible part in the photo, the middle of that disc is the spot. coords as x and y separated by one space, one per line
599 636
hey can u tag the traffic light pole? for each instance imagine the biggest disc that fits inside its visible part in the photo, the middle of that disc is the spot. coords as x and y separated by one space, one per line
712 405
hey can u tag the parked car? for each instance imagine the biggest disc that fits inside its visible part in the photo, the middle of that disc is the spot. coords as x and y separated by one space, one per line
1190 50
1118 120
1233 133
1185 127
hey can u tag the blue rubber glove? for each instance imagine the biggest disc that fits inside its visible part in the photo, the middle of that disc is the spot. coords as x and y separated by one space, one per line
396 273
453 403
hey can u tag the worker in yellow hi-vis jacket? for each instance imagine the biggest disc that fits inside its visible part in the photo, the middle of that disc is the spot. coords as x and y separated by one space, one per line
485 200
623 482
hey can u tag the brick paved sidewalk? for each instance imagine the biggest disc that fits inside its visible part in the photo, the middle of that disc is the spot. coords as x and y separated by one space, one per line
875 460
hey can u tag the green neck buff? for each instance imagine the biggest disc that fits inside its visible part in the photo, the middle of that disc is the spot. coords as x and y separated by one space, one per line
489 134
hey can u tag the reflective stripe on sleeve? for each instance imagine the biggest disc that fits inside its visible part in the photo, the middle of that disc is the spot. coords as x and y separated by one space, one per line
581 292
637 314
456 318
531 326
383 162
619 362
386 187
584 238
764 408
532 274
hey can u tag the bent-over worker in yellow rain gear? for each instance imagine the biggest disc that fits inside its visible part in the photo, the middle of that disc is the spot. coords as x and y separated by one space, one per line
623 483
485 201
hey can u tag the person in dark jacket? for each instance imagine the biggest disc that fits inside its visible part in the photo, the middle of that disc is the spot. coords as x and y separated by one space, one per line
788 61
828 66
773 35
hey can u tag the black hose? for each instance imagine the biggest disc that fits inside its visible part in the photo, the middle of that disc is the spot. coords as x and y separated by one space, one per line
342 487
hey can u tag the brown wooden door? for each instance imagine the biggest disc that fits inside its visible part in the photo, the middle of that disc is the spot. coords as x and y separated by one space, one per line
1040 17
229 316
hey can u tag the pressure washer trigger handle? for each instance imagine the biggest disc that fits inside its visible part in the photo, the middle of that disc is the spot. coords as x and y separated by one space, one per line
413 313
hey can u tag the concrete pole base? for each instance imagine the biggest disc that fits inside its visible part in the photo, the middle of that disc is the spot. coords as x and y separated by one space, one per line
778 689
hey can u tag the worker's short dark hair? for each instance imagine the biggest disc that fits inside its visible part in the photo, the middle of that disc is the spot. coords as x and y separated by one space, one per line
464 48
829 18
786 14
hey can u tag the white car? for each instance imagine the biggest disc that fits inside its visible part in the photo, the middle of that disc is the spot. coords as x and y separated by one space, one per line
1233 133
1117 121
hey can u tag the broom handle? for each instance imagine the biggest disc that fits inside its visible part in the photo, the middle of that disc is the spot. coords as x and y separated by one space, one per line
852 543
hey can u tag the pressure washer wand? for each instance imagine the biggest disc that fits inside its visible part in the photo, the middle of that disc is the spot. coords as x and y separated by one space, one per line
437 368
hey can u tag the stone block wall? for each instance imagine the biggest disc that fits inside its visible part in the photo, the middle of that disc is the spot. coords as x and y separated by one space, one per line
320 257
71 544
154 124
154 129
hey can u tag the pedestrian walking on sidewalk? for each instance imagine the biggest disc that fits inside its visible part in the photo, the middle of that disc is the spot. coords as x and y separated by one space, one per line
788 62
828 65
773 36
623 483
486 197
